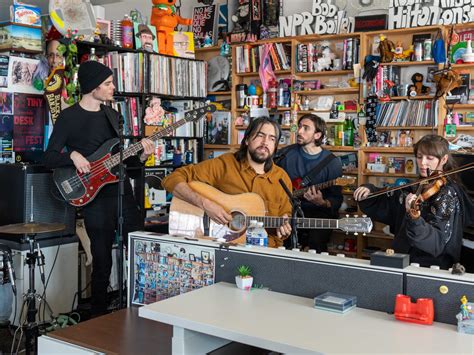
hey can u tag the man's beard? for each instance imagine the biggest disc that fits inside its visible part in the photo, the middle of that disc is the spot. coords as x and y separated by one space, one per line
258 158
303 143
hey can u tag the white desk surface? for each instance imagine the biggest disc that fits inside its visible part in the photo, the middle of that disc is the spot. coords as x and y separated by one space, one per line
286 323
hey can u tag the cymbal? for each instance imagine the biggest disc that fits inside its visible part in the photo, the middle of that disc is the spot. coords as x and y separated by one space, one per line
31 228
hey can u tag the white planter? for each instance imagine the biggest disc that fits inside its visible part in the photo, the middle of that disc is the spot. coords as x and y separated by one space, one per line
244 283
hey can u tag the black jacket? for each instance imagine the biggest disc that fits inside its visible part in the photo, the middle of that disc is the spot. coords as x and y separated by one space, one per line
433 239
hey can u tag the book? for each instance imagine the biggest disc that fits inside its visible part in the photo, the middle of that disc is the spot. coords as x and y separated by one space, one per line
205 25
183 44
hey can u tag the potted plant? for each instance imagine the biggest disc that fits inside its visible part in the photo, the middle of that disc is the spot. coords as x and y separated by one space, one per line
244 280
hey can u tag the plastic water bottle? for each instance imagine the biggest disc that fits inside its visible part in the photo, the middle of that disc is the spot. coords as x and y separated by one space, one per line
261 235
250 232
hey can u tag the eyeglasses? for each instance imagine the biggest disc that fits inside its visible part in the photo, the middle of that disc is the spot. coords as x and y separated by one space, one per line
55 55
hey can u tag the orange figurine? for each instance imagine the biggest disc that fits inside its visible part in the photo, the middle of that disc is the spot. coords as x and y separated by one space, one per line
165 19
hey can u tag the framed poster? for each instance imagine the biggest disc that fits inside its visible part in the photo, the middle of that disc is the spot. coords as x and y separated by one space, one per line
205 26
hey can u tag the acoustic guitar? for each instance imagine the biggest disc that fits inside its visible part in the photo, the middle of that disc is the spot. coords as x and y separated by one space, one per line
187 219
80 189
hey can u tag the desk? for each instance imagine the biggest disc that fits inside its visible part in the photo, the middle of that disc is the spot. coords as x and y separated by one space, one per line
212 316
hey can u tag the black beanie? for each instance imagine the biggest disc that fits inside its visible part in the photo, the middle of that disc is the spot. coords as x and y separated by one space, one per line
91 75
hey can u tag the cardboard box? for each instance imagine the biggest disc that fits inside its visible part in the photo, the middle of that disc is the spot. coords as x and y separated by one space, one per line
20 38
25 14
396 260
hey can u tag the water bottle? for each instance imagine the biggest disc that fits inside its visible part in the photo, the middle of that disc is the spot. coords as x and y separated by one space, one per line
261 235
250 233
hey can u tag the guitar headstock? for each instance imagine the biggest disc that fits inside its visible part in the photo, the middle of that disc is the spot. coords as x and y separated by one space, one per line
345 180
194 115
356 224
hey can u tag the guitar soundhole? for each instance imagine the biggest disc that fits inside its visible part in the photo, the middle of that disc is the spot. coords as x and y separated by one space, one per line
238 221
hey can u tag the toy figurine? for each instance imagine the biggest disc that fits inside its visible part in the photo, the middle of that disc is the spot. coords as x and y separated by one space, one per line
207 41
464 308
418 86
386 48
400 54
165 19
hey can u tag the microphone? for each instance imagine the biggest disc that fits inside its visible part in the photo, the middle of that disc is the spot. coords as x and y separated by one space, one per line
7 252
41 262
11 273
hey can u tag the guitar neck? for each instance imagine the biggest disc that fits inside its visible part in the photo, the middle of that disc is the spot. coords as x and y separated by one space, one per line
135 148
299 193
302 223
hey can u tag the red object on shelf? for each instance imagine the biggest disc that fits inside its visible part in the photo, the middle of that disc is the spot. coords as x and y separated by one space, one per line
421 311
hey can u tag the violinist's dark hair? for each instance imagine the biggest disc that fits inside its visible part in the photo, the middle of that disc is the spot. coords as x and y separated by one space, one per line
437 146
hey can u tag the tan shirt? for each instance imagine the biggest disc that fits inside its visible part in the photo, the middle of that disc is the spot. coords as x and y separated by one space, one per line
232 177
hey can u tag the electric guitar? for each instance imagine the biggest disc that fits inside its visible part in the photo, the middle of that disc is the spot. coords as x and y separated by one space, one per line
340 181
79 189
187 219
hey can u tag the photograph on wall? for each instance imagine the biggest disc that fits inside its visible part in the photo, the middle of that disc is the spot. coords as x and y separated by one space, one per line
163 269
183 44
20 75
145 37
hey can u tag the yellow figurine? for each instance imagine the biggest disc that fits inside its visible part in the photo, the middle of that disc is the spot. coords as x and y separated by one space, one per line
401 55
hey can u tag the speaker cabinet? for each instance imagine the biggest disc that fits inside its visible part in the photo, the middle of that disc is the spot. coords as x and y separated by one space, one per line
27 192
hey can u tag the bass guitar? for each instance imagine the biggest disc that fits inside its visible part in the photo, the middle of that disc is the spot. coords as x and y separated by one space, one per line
187 219
340 181
79 189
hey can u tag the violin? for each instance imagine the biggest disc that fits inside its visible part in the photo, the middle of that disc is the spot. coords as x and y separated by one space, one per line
426 185
424 192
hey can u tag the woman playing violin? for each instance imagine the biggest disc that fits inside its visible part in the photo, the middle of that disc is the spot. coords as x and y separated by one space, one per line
427 225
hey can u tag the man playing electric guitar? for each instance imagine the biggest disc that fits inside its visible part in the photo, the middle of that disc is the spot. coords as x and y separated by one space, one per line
307 163
82 129
250 169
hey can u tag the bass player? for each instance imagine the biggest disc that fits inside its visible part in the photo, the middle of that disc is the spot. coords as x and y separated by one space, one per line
82 129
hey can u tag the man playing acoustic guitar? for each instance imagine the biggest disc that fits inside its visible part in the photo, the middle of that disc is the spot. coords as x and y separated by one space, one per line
250 169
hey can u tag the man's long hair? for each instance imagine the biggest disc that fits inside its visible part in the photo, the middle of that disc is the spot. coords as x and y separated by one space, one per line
250 133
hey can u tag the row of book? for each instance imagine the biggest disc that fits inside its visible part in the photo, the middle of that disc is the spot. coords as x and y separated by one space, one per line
175 76
174 152
140 73
318 56
127 69
411 113
248 57
130 109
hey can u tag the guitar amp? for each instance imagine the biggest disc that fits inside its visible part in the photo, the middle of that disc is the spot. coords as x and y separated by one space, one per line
26 193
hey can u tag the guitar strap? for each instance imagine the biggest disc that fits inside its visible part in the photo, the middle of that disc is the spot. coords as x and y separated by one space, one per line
308 178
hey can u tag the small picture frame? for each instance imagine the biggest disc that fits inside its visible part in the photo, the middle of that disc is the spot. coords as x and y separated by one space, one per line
145 37
104 27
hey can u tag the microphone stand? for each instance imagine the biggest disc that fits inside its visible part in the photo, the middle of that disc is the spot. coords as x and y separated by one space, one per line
121 192
296 211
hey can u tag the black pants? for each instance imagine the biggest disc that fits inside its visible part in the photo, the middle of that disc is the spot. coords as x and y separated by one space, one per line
314 238
100 219
467 259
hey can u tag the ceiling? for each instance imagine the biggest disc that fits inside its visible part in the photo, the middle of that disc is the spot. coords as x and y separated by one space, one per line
5 6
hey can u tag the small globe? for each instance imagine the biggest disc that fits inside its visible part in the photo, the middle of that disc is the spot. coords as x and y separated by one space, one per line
252 90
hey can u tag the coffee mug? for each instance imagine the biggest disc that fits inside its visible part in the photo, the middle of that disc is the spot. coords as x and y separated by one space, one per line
252 101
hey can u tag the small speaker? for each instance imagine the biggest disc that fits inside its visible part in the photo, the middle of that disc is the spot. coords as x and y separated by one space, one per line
29 193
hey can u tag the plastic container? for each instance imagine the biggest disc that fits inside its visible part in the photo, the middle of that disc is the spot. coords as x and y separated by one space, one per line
249 233
261 235
127 32
272 94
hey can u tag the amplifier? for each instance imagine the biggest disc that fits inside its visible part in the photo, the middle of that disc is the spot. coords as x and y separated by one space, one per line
27 194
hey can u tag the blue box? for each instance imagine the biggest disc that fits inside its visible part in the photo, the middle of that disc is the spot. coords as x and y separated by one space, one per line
335 302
